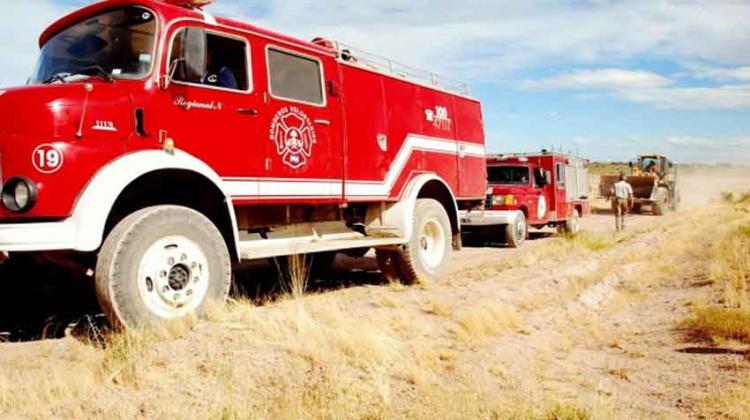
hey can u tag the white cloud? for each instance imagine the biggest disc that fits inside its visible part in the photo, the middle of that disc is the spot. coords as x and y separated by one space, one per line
722 97
482 38
647 88
600 79
721 74
21 28
691 141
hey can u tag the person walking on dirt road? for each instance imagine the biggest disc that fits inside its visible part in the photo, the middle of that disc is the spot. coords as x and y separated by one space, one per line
622 200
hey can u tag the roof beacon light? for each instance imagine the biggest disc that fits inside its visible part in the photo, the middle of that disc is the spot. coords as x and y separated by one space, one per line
194 4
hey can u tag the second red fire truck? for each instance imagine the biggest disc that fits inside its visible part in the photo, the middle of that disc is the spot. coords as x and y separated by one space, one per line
159 145
530 190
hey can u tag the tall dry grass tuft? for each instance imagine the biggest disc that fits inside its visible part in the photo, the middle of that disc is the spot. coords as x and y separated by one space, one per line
717 324
294 273
729 266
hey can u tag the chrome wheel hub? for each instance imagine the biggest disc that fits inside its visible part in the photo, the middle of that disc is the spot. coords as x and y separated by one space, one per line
173 277
432 242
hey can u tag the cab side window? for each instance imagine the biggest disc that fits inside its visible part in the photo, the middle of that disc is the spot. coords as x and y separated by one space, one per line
295 77
208 59
560 175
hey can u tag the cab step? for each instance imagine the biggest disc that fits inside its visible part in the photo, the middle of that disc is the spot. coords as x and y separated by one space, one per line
316 238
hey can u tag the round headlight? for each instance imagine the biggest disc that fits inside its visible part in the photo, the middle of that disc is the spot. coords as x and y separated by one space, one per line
22 195
19 195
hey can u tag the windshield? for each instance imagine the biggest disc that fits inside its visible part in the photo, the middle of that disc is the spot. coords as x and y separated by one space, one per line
509 175
118 43
650 164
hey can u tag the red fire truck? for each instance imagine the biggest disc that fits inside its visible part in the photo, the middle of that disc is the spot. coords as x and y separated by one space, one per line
171 144
537 190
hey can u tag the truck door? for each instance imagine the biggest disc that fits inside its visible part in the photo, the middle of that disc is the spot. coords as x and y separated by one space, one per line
211 105
561 204
302 122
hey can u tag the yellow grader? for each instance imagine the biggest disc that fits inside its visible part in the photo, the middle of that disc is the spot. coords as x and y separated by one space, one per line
654 182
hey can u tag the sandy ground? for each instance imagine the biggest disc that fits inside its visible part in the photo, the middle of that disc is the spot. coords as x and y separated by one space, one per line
596 328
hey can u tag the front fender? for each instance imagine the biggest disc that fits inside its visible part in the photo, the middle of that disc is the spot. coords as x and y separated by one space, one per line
93 206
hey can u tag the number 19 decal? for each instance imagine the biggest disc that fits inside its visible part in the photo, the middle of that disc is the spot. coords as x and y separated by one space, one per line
47 159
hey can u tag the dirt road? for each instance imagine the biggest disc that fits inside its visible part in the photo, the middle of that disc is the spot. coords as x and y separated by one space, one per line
584 327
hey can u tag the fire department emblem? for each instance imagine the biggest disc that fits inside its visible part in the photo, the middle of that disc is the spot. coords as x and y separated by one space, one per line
294 136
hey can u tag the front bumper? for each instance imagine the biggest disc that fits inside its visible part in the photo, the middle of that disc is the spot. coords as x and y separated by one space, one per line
26 237
488 217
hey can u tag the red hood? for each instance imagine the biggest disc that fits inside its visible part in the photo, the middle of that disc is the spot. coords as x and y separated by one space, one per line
498 189
54 111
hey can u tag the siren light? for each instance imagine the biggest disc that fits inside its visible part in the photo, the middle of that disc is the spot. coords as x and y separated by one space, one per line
196 4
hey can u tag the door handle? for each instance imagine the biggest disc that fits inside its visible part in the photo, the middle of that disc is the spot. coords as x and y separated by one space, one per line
248 111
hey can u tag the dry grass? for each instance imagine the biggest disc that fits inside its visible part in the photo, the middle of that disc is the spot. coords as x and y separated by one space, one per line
401 353
731 403
437 308
486 320
566 412
718 324
728 267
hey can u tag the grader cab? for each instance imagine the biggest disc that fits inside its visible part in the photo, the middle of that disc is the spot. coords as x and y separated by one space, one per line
654 182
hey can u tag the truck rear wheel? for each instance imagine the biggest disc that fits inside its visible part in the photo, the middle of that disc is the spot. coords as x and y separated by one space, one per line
516 232
161 263
573 225
660 202
426 256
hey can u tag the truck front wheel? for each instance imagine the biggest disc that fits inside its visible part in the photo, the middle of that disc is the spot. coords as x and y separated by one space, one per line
426 256
162 263
660 203
516 232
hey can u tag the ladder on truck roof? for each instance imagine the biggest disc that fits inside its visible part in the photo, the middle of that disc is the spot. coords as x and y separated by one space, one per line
385 65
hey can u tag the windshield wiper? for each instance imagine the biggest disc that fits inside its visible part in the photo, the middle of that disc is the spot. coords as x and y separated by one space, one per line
100 71
57 77
90 71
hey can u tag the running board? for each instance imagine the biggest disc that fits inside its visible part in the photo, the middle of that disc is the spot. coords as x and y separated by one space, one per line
266 248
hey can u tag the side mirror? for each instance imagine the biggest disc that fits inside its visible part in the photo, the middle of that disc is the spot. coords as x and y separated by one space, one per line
539 179
189 57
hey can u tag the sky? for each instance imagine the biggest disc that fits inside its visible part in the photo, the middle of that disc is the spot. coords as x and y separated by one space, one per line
606 79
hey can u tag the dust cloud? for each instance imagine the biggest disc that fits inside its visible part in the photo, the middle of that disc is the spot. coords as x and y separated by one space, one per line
700 185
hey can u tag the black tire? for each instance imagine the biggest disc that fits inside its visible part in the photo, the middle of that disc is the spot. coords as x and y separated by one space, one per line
388 262
131 250
517 232
660 203
674 203
573 225
424 260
